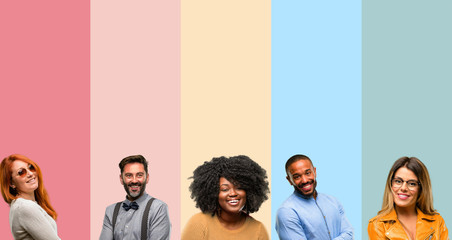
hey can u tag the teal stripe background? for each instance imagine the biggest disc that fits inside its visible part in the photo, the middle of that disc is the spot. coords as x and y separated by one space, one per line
316 98
407 84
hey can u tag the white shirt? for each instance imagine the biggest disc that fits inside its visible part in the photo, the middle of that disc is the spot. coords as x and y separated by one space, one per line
28 221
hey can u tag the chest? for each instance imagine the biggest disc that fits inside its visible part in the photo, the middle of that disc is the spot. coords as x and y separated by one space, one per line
424 231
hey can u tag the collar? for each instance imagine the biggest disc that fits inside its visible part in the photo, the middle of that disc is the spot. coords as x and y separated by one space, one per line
139 201
421 215
298 194
392 216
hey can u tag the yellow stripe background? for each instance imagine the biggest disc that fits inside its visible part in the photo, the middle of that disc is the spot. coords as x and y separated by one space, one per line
225 88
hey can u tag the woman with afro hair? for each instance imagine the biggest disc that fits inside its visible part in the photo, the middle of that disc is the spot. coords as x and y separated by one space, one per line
227 190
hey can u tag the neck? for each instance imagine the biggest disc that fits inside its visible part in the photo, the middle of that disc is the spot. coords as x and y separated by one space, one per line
313 195
28 196
130 198
406 211
231 220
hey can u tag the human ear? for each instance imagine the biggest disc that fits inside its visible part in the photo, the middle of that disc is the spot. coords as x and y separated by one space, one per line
120 179
288 179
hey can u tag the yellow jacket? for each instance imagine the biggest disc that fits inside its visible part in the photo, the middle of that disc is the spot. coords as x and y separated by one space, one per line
428 227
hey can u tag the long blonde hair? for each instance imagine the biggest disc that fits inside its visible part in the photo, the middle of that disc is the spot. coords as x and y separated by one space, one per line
425 198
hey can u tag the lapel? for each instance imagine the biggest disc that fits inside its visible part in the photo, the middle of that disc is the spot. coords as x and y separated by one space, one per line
424 226
394 229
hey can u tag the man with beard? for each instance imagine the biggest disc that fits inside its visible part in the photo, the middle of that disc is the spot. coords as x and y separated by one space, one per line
307 214
139 216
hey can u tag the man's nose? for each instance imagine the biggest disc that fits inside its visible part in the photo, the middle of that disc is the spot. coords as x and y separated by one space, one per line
304 179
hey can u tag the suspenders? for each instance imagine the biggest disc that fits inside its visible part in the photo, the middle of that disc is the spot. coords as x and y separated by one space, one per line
144 221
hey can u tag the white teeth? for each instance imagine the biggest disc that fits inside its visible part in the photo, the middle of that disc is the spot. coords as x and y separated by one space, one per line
234 201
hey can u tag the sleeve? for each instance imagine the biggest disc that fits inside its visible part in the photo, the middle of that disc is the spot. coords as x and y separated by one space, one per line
375 231
288 225
195 229
263 234
107 229
444 233
35 223
346 227
159 224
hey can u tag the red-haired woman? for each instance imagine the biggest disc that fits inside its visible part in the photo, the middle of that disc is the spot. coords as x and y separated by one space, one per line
31 216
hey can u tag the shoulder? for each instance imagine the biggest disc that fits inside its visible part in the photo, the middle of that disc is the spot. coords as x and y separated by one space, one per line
436 217
292 201
24 207
255 223
384 217
158 207
376 228
202 218
111 208
197 226
374 219
199 222
327 197
291 207
157 203
257 226
330 201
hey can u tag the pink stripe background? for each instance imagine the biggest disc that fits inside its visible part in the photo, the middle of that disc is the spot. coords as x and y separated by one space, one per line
44 102
135 100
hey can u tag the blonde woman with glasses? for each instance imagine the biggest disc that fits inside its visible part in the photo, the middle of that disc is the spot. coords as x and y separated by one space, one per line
407 211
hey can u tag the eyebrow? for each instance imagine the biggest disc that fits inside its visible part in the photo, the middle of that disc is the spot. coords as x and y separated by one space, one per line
133 173
406 180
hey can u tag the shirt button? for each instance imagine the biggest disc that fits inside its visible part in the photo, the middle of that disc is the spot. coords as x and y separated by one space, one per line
387 233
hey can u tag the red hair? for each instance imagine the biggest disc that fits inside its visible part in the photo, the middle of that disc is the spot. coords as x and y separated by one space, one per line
9 194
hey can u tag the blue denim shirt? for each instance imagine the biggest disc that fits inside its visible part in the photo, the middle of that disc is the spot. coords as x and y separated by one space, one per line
308 218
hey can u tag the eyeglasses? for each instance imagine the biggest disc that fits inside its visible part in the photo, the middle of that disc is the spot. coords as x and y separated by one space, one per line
23 172
411 184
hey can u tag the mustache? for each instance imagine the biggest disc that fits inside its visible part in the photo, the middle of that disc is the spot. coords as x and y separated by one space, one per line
301 185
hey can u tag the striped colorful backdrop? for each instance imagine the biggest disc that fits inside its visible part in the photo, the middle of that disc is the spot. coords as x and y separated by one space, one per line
354 85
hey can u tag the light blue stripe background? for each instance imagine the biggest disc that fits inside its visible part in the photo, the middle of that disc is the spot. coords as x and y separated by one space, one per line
316 98
407 100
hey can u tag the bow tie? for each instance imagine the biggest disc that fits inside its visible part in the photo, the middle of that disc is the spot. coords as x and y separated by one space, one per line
132 205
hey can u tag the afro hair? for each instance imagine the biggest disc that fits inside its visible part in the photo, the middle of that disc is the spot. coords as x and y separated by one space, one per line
239 170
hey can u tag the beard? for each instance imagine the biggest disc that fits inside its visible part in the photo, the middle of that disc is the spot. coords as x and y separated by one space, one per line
299 186
134 195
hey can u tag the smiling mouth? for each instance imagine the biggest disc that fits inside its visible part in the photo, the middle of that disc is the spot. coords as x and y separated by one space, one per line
32 180
307 187
234 202
403 196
